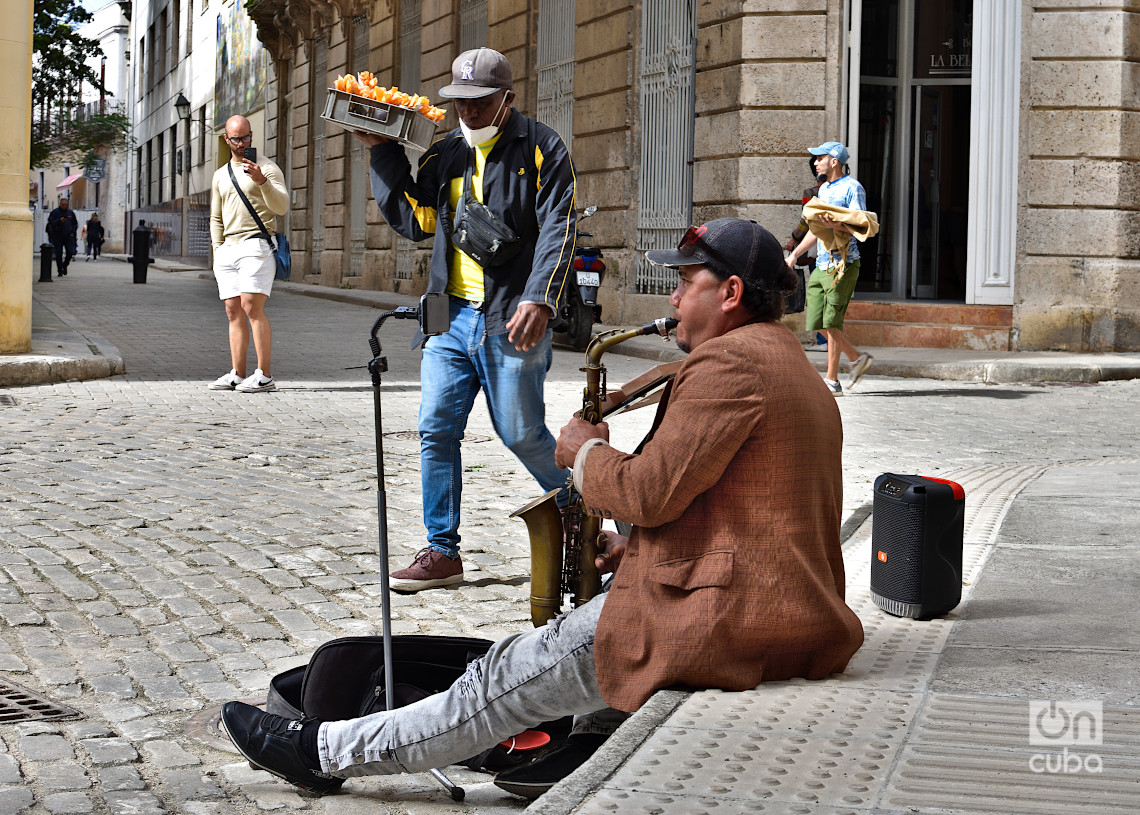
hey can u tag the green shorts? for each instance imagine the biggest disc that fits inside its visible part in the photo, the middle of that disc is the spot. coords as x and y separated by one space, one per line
826 303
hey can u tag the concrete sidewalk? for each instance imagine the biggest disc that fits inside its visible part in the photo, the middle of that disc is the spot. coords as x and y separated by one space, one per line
930 716
62 350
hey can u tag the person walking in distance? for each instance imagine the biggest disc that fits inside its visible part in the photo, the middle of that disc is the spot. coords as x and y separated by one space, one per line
62 227
832 282
500 338
93 234
244 263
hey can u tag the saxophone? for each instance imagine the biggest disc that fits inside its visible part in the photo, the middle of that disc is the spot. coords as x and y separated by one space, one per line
569 569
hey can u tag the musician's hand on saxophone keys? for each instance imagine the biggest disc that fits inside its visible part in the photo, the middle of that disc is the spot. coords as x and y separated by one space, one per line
611 548
576 433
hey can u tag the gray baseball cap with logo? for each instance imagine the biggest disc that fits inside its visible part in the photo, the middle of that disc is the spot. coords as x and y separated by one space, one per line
477 73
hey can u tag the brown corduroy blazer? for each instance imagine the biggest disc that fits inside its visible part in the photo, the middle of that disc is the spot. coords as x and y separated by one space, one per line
733 573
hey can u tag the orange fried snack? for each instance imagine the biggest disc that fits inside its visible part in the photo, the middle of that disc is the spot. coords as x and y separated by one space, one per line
366 86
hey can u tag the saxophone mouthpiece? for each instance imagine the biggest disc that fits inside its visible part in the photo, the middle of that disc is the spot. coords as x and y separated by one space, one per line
662 326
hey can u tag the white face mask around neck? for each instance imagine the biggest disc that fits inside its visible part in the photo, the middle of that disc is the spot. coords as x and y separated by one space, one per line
483 134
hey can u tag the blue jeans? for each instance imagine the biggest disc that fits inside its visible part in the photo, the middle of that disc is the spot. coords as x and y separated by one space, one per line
455 366
524 680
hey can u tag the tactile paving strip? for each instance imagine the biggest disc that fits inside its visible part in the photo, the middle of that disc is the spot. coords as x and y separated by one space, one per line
644 803
975 751
19 704
798 709
732 765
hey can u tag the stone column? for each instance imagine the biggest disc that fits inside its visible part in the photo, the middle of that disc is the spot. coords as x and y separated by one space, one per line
1078 238
15 217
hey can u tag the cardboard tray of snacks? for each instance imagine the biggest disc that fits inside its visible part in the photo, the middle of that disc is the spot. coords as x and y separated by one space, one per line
406 126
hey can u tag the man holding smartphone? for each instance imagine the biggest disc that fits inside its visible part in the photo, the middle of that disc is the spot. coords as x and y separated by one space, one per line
244 263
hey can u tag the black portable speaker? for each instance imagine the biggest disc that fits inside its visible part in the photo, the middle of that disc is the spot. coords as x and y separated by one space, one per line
916 545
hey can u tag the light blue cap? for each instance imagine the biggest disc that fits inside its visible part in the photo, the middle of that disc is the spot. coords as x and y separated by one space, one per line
831 148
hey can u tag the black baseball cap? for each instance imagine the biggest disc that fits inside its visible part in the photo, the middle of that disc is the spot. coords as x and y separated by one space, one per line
733 245
477 73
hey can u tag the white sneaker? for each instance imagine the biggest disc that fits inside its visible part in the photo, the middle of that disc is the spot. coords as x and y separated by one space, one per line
226 382
834 387
256 382
858 368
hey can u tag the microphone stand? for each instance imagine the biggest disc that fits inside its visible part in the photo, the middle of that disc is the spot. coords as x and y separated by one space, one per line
376 367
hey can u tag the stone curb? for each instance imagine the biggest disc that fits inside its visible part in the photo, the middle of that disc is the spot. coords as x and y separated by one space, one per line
61 354
568 794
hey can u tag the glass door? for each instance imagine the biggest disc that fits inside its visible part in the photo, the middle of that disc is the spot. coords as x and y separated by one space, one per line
940 149
914 145
939 192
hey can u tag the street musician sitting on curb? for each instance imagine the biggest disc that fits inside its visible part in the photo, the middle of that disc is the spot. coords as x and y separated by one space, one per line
732 574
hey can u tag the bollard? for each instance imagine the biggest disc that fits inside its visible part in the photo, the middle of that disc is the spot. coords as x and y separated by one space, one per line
140 246
46 251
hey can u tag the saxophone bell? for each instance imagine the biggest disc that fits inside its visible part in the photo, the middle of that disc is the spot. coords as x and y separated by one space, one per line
543 521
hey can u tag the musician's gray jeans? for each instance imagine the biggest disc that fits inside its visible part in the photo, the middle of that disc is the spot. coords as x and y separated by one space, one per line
524 680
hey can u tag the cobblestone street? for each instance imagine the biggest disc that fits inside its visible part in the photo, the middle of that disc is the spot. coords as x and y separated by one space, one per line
165 548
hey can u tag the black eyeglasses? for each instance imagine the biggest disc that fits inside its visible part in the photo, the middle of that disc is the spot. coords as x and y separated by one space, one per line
694 238
246 139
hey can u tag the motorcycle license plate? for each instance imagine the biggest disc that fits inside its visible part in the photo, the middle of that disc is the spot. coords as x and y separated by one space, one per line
589 279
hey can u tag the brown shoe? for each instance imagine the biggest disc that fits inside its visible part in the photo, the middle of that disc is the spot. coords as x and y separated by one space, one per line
429 570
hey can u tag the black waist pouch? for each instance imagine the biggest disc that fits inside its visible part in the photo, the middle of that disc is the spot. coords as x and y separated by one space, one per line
478 233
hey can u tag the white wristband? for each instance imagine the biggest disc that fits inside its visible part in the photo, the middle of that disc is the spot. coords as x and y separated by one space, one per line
580 460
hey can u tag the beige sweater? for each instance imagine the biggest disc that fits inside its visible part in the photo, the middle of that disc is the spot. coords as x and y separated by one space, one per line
863 225
230 220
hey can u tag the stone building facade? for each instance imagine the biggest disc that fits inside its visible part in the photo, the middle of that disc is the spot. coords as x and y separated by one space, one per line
998 141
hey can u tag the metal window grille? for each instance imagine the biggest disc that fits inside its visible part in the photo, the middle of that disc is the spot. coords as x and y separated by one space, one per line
319 84
202 135
556 66
410 45
160 50
665 190
411 53
472 24
173 162
358 166
159 177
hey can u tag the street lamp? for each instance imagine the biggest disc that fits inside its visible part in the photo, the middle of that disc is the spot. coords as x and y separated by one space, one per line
182 108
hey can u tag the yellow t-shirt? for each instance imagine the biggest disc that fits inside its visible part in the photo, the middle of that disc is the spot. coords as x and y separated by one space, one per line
466 277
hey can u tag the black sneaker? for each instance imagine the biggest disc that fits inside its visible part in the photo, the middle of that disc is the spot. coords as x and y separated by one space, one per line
532 780
273 743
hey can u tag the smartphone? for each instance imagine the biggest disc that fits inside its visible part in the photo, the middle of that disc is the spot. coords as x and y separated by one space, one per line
435 314
251 154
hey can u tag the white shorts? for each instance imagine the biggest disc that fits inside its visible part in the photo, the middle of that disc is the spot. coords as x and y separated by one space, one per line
244 266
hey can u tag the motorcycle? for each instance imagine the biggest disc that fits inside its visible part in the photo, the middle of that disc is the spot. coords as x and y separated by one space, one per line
581 310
